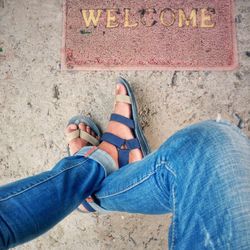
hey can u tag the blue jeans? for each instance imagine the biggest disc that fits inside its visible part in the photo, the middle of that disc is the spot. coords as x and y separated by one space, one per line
201 175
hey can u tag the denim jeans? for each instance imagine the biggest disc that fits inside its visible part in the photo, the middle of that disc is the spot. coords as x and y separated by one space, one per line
201 175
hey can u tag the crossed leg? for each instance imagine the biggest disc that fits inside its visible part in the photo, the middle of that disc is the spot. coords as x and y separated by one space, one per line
201 174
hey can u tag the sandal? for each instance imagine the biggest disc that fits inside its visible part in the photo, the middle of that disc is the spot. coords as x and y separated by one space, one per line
87 137
139 141
82 134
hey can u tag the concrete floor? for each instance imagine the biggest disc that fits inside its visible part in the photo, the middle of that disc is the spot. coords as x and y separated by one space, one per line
37 99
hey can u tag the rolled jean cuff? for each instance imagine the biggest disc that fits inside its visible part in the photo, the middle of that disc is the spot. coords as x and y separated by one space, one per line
105 160
100 156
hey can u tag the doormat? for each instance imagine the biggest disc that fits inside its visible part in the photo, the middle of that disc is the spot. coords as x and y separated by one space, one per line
155 35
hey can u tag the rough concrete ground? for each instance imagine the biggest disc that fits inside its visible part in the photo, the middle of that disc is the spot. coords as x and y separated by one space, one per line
37 99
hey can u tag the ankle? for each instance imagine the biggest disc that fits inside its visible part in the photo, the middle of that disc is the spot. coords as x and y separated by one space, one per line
111 150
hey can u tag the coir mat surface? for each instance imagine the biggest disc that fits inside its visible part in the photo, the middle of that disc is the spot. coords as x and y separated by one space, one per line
155 35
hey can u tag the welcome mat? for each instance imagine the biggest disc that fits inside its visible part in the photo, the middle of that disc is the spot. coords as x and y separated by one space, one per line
157 35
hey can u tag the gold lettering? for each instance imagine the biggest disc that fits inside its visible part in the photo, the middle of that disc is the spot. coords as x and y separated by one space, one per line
91 18
163 19
111 19
144 20
206 19
192 18
127 23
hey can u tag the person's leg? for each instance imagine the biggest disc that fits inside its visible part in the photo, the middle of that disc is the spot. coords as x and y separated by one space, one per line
31 206
201 174
125 133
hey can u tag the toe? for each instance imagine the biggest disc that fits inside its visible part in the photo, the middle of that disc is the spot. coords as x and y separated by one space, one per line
82 126
88 129
71 128
120 89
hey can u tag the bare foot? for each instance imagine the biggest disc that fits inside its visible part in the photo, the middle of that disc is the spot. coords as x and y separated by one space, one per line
121 130
76 144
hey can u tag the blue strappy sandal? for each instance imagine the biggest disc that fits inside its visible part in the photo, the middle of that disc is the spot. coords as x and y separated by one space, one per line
139 141
82 134
85 136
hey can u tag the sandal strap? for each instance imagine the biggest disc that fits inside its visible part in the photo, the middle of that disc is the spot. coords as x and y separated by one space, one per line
113 139
72 135
87 206
123 98
123 157
82 134
122 119
89 138
118 142
132 144
123 154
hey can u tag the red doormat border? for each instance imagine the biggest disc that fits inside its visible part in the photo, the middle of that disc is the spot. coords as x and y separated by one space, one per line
65 56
